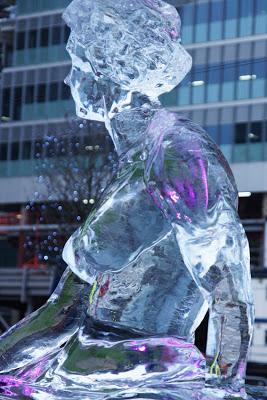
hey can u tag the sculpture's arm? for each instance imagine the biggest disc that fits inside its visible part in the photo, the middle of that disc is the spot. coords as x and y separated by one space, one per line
46 329
218 259
192 185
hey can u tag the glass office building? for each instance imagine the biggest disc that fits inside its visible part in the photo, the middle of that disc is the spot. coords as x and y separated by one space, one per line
34 100
36 111
226 90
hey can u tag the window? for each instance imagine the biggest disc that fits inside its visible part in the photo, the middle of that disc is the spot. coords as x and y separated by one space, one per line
214 83
3 151
26 150
216 20
201 25
56 35
20 40
65 91
17 102
15 151
241 133
75 145
227 133
255 132
50 146
258 72
29 97
41 93
246 20
261 17
6 102
8 60
213 131
188 23
228 81
198 85
38 149
44 37
63 146
244 80
226 140
7 52
184 91
53 91
66 33
32 39
231 18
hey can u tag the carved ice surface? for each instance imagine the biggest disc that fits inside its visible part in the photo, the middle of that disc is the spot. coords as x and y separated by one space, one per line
121 47
163 246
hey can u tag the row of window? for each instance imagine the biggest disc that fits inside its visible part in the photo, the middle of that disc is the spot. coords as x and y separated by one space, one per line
222 19
221 82
213 83
54 147
233 134
27 150
30 94
40 55
30 6
239 133
43 37
241 142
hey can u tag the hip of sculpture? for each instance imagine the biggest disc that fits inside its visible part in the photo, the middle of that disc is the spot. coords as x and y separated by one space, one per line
164 244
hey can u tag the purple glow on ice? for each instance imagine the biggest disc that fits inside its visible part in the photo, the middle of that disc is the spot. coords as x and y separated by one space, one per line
142 348
173 196
205 181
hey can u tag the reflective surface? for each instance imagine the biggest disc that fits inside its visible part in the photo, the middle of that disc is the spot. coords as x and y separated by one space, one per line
163 245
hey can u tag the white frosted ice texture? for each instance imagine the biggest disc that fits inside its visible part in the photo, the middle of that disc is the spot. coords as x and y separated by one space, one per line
163 245
119 47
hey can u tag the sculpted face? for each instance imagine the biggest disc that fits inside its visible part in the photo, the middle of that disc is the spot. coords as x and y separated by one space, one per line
122 47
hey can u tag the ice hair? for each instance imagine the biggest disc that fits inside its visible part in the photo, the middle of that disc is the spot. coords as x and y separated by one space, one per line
136 43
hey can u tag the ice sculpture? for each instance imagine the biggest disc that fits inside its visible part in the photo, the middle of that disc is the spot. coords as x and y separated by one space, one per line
165 243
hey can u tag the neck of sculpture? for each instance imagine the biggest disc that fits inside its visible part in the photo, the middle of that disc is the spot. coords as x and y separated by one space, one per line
128 126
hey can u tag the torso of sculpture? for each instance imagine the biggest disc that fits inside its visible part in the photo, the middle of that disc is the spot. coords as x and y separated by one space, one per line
165 243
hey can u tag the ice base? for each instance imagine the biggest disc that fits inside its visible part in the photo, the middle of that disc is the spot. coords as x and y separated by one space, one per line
107 367
16 388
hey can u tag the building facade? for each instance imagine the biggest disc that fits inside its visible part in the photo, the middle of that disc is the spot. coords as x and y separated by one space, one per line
226 92
36 112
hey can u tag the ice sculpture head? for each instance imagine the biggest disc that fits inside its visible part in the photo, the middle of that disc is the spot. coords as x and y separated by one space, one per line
121 47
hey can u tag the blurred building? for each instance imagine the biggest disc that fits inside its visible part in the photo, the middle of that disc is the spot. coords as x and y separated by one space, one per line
35 106
225 92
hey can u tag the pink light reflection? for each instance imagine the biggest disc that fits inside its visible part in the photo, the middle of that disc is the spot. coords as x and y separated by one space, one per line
205 181
142 348
173 196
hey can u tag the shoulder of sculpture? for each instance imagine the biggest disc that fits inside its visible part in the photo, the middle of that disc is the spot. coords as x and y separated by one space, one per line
187 159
